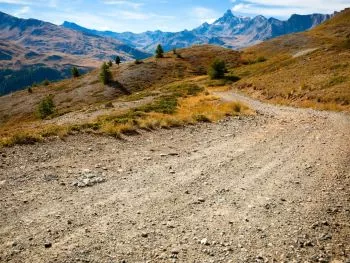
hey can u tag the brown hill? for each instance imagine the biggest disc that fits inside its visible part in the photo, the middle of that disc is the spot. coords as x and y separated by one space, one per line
82 100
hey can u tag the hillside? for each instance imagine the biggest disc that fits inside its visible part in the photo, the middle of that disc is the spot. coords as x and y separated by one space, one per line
50 51
83 100
163 164
307 69
229 31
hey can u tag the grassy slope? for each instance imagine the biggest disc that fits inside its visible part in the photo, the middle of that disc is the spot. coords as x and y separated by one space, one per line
309 69
177 86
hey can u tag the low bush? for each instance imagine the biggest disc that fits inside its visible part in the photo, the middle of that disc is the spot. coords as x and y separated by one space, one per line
217 69
46 107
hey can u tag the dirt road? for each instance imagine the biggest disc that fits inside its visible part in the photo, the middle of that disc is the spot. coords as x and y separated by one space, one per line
270 188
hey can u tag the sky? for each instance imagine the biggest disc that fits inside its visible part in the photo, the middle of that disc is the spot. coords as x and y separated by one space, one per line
166 15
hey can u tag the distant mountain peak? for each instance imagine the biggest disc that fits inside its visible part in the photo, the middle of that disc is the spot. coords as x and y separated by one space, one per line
228 13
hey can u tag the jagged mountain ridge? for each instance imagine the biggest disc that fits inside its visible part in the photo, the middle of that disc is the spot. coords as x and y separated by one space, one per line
228 31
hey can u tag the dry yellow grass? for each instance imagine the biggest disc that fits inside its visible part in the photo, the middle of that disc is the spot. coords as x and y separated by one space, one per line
190 110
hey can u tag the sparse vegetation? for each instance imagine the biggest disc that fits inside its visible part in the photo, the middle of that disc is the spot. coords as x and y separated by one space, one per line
46 107
110 63
105 74
75 72
46 82
167 92
30 90
261 59
138 62
159 51
217 69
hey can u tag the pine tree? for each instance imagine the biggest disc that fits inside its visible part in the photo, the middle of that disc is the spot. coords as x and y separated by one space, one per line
75 72
117 60
159 51
110 63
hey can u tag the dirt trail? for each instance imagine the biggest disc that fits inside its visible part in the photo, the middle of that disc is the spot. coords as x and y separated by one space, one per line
270 188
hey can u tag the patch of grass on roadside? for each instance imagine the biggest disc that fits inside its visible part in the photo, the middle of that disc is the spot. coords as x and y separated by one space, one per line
165 104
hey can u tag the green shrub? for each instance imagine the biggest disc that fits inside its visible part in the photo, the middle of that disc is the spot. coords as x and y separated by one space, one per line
30 90
46 82
138 62
105 74
217 69
232 78
46 107
261 59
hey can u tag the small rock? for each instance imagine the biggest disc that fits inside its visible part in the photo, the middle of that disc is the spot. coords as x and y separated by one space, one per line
144 234
201 200
48 244
205 242
175 251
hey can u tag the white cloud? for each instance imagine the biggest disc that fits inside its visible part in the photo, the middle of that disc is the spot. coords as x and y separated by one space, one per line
22 11
288 7
133 5
203 14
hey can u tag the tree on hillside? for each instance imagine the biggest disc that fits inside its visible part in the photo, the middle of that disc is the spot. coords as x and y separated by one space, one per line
159 51
117 60
46 107
110 63
105 74
217 69
75 72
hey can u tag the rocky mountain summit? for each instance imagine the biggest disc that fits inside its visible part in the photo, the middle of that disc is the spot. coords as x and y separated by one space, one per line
229 31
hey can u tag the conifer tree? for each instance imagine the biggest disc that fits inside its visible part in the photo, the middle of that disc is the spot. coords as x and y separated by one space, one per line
159 51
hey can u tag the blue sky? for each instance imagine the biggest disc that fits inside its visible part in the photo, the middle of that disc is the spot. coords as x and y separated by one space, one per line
166 15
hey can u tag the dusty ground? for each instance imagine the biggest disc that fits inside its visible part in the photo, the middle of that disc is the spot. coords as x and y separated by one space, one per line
270 188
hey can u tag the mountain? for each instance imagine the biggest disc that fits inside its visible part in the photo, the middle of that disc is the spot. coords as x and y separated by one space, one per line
228 31
32 50
308 69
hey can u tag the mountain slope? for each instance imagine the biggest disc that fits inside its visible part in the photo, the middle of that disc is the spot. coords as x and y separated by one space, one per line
28 45
129 78
229 31
45 37
305 69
